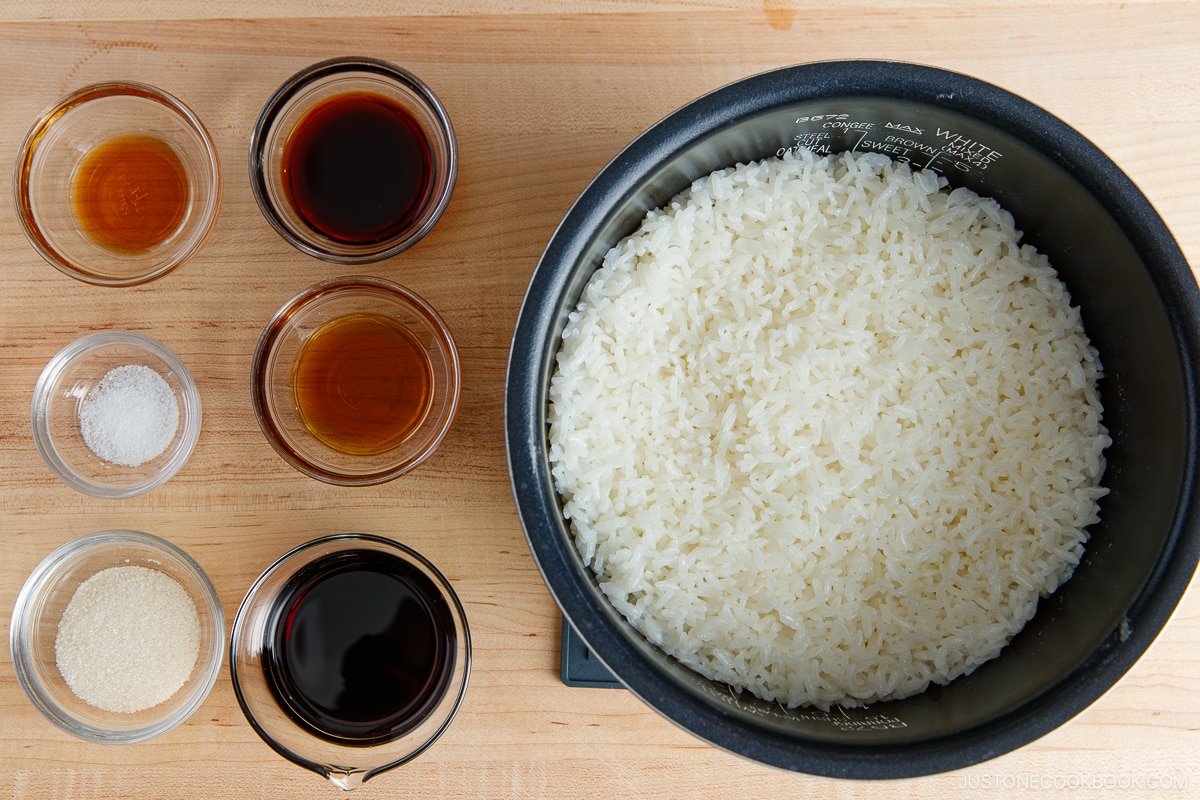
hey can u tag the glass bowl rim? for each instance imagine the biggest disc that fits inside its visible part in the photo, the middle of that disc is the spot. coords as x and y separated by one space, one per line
43 578
341 775
190 412
23 178
386 72
260 384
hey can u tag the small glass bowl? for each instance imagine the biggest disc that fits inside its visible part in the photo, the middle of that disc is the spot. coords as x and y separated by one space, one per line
49 166
273 379
346 765
59 394
292 104
39 609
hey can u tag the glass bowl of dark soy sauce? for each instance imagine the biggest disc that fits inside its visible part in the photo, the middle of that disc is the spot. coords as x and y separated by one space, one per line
350 656
353 160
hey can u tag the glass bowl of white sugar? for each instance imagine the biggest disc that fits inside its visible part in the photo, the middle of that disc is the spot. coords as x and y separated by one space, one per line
117 636
115 414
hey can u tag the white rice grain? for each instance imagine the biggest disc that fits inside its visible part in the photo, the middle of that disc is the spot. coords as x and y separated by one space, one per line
826 431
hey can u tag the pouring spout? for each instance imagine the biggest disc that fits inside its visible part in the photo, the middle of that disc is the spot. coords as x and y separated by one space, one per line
345 778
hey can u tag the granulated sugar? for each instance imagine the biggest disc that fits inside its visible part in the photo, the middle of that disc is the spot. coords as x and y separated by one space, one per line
130 416
128 639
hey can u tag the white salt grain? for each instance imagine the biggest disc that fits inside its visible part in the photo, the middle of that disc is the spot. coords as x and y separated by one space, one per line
130 416
128 639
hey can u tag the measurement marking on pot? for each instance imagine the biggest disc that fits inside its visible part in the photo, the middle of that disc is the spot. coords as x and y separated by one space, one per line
912 144
810 140
896 126
897 151
947 149
845 720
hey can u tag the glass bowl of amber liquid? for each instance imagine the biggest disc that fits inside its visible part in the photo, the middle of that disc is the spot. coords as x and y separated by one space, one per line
117 184
118 698
355 381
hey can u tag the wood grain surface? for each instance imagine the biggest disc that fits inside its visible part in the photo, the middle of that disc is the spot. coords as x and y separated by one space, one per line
541 100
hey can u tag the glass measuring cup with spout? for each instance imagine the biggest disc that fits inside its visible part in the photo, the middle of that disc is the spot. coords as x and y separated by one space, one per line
350 655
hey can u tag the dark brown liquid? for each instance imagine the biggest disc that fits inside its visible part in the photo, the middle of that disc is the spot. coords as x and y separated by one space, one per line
362 384
360 645
357 168
130 193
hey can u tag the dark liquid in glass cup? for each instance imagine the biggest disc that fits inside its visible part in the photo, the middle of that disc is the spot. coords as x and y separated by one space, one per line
358 168
360 646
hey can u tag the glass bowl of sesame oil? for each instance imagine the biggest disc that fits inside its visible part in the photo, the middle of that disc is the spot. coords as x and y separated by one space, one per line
356 381
115 414
117 184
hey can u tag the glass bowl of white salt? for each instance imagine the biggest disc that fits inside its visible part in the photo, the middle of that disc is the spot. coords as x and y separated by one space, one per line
117 636
115 414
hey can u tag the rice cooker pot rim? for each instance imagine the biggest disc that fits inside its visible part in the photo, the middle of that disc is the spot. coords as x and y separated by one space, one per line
535 341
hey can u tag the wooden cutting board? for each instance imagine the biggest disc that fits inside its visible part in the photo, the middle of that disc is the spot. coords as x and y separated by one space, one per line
541 100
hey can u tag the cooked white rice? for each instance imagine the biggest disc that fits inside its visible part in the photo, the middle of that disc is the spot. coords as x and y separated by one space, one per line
825 431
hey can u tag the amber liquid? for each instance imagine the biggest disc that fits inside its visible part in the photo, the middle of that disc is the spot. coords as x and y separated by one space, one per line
357 168
359 647
362 384
130 193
